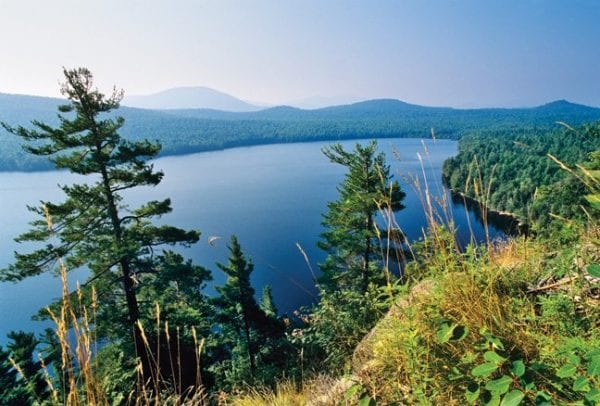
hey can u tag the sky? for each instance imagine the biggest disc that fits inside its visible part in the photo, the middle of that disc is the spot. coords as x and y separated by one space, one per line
471 53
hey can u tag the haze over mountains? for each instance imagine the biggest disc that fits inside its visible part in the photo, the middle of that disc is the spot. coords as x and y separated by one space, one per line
188 130
196 97
200 97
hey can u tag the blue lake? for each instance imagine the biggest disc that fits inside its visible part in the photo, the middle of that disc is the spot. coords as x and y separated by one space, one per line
271 197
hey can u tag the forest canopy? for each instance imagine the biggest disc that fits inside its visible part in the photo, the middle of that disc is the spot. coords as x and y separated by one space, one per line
523 173
188 131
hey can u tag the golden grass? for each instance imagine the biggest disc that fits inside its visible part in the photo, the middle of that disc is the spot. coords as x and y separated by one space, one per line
408 364
321 390
285 394
82 383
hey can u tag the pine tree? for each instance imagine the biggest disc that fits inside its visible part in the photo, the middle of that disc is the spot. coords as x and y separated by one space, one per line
237 306
25 383
354 269
247 330
351 237
185 315
93 227
13 391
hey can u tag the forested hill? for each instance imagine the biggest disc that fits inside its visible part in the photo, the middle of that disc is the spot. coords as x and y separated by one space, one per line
394 110
194 130
521 176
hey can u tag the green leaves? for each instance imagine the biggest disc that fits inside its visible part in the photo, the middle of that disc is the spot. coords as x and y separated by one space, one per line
499 385
542 398
513 398
566 371
494 361
593 395
472 392
583 380
491 399
518 368
594 270
593 365
581 384
493 357
452 332
593 200
352 391
484 370
445 333
498 391
366 401
357 390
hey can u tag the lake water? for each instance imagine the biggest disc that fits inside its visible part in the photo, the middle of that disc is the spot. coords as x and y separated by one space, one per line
271 197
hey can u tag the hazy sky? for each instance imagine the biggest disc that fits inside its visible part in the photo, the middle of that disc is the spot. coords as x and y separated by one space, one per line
454 53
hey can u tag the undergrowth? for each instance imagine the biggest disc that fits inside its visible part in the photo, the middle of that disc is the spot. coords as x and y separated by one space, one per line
490 307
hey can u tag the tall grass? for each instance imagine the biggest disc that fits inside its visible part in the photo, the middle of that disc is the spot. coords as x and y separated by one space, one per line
79 367
76 380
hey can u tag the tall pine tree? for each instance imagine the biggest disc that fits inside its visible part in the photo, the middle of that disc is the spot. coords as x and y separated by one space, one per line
93 227
354 269
351 236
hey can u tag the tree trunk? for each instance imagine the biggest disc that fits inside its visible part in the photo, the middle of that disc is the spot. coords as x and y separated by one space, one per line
367 254
368 227
133 309
249 344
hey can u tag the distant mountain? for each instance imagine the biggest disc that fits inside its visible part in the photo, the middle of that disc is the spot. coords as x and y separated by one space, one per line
397 111
317 102
189 98
182 131
564 106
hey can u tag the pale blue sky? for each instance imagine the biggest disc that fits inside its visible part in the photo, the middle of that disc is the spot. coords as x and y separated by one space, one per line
453 53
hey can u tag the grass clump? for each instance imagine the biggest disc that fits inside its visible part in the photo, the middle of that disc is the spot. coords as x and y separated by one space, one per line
320 390
508 323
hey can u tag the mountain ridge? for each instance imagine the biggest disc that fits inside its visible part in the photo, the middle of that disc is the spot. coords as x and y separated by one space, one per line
182 131
559 103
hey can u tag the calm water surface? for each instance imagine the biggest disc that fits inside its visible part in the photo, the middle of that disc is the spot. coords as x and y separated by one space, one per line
271 197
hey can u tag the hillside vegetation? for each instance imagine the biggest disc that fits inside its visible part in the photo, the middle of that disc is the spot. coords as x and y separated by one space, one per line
517 323
187 131
522 172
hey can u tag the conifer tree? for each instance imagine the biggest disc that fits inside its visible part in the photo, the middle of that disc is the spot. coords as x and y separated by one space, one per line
354 268
22 379
13 391
93 227
247 330
237 306
351 238
181 315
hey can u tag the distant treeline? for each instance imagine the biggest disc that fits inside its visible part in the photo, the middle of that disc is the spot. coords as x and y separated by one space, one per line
188 131
521 176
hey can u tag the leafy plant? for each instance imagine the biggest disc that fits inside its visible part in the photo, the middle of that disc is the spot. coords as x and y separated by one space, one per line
360 395
582 376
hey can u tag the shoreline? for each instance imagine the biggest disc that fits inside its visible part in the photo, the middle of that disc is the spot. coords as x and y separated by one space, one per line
49 167
508 221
